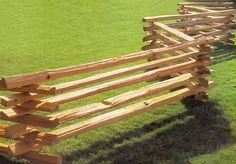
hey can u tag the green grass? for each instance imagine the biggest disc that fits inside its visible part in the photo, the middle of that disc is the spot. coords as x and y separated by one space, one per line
42 34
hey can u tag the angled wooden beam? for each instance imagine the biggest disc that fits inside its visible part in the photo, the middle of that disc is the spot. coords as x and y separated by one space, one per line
174 32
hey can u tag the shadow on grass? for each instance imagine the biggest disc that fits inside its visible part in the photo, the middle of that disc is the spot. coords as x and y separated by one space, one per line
223 52
206 132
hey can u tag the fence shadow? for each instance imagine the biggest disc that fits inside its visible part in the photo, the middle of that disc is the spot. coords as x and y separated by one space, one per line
223 52
206 132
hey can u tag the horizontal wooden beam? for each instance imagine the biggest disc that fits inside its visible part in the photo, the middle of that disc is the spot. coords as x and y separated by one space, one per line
107 118
34 156
150 75
125 97
187 16
38 77
123 113
191 23
211 4
198 9
21 98
113 101
17 130
34 88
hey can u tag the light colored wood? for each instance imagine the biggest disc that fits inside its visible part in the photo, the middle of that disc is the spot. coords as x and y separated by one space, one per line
38 77
174 32
4 148
36 120
39 105
150 75
200 22
34 88
198 9
123 113
105 119
34 157
123 98
191 23
187 16
32 78
211 4
3 130
117 100
18 130
97 78
19 98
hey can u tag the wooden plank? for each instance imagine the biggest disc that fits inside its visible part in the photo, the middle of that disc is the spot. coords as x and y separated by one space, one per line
150 75
190 23
33 156
3 130
9 101
26 108
125 97
198 9
19 98
38 77
37 120
211 4
117 100
123 113
4 148
188 16
32 78
199 22
105 119
18 130
39 105
174 32
34 88
123 71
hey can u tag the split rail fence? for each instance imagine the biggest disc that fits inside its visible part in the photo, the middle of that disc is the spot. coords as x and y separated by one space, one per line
177 52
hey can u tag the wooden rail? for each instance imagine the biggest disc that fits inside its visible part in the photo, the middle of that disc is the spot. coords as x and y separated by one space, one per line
193 20
177 48
187 70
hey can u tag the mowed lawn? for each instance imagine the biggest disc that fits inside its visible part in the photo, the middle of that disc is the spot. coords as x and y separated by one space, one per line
43 34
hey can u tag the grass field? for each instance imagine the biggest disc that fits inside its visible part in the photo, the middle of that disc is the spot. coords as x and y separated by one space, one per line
42 34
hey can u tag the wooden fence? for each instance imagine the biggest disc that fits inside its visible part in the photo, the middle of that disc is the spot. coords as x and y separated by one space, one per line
177 49
161 30
28 128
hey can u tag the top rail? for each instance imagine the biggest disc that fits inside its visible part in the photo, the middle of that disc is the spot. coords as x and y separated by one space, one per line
38 77
197 15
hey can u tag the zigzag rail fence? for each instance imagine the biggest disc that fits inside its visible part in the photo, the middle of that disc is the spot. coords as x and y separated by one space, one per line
177 48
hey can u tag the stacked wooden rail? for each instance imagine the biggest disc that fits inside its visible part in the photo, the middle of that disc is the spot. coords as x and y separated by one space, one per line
209 5
31 130
192 21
